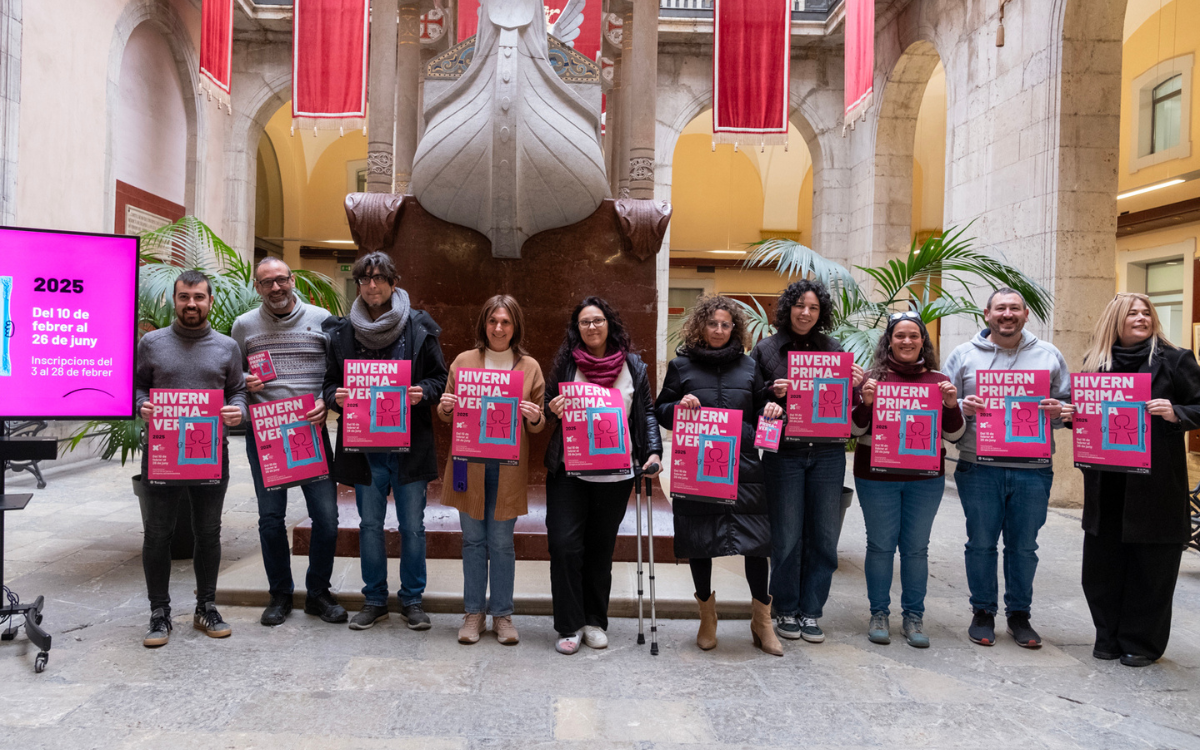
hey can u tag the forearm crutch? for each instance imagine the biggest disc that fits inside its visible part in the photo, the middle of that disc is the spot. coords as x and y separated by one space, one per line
650 535
637 500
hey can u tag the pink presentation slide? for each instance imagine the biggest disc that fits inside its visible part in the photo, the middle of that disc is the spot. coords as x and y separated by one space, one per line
262 366
595 430
487 419
906 429
290 448
376 415
185 436
1111 424
68 311
818 396
1011 428
705 446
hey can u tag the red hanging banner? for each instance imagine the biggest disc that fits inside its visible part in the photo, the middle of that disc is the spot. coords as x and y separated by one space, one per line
751 61
587 43
329 64
860 58
216 49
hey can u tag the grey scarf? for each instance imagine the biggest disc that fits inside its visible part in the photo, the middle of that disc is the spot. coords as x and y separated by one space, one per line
384 330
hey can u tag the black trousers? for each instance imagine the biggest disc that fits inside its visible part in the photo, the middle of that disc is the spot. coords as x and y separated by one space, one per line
582 520
757 575
1129 587
162 509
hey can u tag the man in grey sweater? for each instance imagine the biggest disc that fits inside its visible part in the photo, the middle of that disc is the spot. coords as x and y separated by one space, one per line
188 354
998 498
289 330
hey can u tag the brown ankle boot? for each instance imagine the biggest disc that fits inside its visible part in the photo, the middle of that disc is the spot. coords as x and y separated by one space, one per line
706 637
762 629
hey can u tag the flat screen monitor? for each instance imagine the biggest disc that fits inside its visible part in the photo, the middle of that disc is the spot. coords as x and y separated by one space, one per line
68 304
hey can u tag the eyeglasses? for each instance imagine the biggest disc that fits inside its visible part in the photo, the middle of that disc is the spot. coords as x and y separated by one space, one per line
593 323
910 314
719 325
282 281
377 278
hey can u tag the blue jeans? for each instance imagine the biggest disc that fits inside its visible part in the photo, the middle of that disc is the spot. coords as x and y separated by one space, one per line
1008 502
804 494
410 513
484 540
898 514
321 498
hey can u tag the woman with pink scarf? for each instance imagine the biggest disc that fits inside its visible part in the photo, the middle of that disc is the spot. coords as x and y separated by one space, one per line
583 514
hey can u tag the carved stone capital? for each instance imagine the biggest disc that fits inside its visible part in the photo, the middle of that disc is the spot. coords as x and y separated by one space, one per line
374 219
379 162
641 169
643 225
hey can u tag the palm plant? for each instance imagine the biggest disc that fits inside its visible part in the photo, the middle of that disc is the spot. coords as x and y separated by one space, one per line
190 244
917 282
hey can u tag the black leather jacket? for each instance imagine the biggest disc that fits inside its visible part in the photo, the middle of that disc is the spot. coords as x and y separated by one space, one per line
643 427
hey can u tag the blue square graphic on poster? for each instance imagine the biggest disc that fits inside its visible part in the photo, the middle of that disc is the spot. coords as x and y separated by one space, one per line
716 458
605 436
919 433
198 441
6 325
497 420
389 405
1122 426
1023 421
831 400
301 444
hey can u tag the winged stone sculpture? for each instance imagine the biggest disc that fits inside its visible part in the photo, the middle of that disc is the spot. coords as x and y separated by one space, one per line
509 149
567 27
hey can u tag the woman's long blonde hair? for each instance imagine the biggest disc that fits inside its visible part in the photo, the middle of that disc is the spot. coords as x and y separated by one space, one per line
1107 332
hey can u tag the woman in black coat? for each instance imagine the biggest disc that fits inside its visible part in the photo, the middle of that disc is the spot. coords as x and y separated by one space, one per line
712 370
1139 524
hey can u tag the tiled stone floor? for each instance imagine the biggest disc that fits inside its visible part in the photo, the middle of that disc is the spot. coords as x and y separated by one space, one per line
311 685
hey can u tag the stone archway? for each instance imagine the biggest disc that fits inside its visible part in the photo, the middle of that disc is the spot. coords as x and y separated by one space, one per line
166 21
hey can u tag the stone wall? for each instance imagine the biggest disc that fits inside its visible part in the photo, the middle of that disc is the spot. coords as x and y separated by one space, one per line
10 106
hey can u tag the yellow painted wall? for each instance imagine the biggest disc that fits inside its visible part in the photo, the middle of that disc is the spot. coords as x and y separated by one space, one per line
717 197
929 156
804 211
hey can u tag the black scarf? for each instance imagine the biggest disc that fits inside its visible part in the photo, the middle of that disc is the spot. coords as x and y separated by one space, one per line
905 369
723 356
1130 358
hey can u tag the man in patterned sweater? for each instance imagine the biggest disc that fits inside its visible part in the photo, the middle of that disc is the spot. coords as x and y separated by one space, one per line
289 330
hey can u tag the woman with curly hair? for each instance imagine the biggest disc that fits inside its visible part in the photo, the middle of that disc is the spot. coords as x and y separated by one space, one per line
804 479
712 370
583 514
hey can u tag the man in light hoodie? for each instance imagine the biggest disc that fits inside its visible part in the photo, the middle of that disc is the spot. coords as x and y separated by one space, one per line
1003 498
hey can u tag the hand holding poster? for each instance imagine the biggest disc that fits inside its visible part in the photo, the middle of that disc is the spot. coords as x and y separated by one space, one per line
705 446
818 396
768 434
487 417
290 448
1111 423
1012 427
262 366
376 415
185 436
595 430
906 429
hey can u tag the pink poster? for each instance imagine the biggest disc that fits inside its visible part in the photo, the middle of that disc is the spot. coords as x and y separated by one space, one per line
376 415
290 448
906 429
487 418
768 434
1011 427
68 314
185 436
261 365
595 430
818 396
1111 423
705 446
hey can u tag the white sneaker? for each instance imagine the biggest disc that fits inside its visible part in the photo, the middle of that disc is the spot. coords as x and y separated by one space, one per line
594 637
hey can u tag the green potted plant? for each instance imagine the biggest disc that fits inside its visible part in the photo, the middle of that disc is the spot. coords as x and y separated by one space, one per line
165 252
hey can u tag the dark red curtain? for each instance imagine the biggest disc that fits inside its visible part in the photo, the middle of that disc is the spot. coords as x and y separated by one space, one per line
329 63
860 58
751 60
216 49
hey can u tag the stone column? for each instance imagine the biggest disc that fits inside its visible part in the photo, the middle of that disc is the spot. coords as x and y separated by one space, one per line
381 97
629 72
643 83
612 120
408 79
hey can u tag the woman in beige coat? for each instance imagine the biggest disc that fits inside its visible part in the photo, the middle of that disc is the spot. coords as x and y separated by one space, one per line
495 495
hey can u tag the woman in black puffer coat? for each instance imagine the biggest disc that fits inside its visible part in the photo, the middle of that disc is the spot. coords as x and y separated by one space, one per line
712 370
